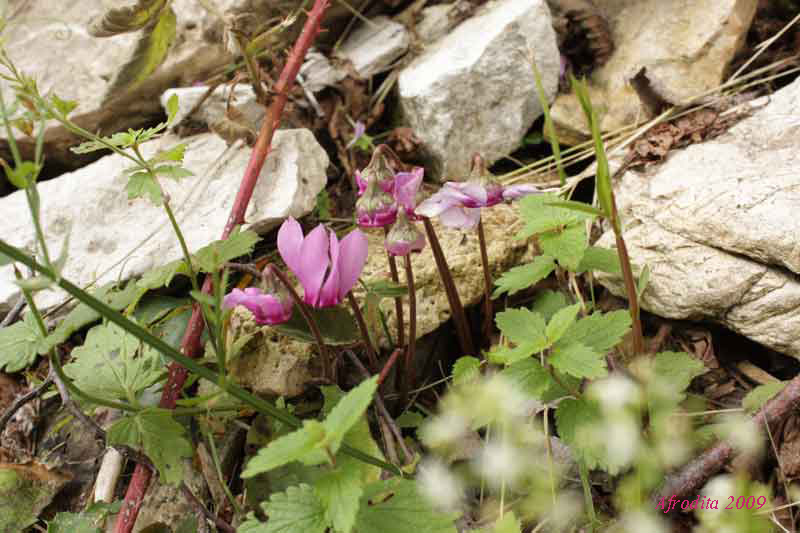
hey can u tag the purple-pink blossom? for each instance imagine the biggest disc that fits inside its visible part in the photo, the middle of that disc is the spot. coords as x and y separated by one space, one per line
266 308
375 208
326 267
406 188
404 237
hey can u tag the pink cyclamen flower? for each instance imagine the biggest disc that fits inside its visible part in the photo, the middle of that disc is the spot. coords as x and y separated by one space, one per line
406 189
404 237
266 308
377 170
375 208
326 268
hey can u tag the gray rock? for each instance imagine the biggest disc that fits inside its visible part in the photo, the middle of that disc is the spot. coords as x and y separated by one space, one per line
473 90
317 72
374 46
114 238
213 108
717 226
684 45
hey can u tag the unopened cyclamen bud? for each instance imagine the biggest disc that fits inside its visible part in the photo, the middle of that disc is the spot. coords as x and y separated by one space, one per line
375 208
379 171
404 237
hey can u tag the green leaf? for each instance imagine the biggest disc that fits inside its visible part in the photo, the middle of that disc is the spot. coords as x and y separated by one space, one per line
23 175
340 490
175 172
410 419
386 288
574 421
600 259
643 281
578 360
336 325
547 303
508 524
678 369
466 369
64 107
599 331
20 343
283 450
561 322
395 506
347 413
126 19
121 139
87 521
213 257
172 110
522 277
531 377
540 217
150 52
566 246
163 275
758 397
156 434
577 206
112 363
175 153
5 260
523 326
143 183
298 510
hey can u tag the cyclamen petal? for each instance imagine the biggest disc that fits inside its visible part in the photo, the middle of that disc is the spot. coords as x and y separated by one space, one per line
406 187
461 217
330 291
314 264
353 251
266 308
513 192
290 241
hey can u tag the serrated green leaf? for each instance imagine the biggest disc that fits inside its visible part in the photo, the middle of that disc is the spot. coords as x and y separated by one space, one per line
336 325
531 377
213 257
298 510
64 107
121 139
567 246
758 397
507 355
126 19
577 206
600 259
175 172
20 343
540 217
410 419
150 52
87 521
143 183
643 281
678 369
396 506
172 110
574 421
561 322
522 277
112 363
156 434
347 413
340 490
162 276
508 524
283 450
23 175
547 303
523 326
466 369
599 331
577 360
175 153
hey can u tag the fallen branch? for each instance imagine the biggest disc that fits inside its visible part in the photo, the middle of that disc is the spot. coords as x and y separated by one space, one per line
191 344
691 477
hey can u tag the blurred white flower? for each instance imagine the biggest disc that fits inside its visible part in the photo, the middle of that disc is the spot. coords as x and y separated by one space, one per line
615 392
439 485
500 463
444 430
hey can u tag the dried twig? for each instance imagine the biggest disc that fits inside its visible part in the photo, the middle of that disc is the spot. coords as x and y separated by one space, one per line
22 400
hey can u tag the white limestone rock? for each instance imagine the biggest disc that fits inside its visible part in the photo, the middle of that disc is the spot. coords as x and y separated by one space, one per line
114 238
717 225
374 46
474 91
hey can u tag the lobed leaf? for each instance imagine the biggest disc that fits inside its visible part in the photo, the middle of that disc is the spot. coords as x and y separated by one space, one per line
561 322
539 216
20 343
600 259
298 510
286 449
396 506
522 277
578 360
126 19
566 245
759 396
466 369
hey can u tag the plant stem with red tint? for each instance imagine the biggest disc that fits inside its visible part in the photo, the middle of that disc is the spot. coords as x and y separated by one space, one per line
191 344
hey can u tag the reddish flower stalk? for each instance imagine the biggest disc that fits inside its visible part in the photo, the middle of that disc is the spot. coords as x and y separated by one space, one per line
410 369
488 319
191 345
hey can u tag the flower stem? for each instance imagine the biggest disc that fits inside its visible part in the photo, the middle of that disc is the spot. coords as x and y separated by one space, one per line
459 317
398 301
362 325
487 288
312 324
387 367
410 369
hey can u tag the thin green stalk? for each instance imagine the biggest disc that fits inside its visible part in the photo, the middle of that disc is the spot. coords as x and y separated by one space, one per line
587 494
168 351
549 127
218 469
